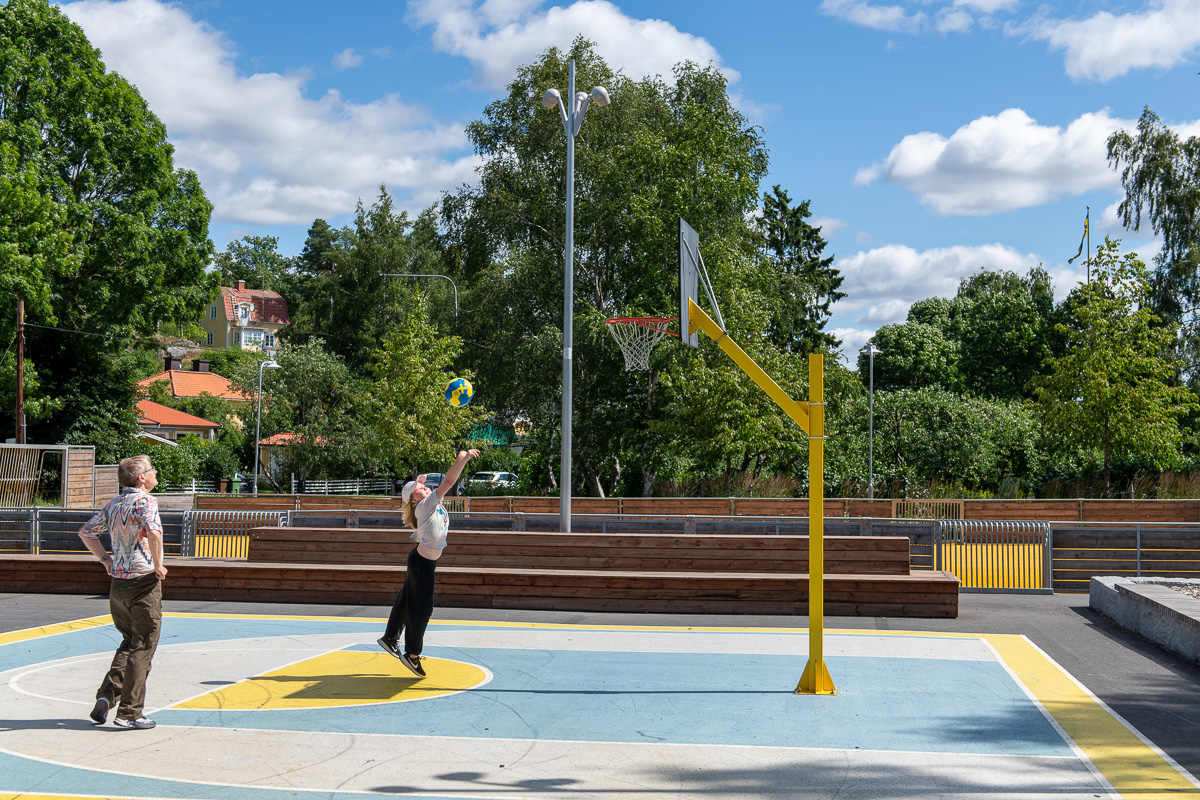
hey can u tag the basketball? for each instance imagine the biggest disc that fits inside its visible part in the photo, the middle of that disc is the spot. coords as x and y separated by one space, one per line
459 392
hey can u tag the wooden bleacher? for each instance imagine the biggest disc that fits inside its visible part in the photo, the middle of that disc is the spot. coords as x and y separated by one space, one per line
661 573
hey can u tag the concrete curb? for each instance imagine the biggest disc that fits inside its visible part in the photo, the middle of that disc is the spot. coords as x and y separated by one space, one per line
1150 608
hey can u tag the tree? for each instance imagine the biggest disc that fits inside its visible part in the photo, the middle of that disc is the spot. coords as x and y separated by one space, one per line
108 239
1113 390
255 260
315 397
926 436
806 285
413 424
1002 323
1160 172
913 355
658 152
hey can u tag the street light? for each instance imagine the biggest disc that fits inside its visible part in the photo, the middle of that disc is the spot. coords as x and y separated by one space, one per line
872 352
270 364
572 120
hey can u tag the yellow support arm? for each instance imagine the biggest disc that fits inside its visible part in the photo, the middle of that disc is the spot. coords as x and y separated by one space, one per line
698 320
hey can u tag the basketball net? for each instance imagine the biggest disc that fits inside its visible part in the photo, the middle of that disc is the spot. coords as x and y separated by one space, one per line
637 337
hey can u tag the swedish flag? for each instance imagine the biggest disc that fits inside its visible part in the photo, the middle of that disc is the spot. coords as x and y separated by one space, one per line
1071 260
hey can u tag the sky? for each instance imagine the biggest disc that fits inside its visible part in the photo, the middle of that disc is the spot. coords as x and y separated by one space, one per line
934 138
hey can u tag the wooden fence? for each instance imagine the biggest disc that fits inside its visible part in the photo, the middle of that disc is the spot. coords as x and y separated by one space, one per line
1175 511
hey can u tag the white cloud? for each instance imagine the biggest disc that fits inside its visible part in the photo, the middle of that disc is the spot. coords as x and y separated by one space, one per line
954 21
1106 45
882 18
267 154
828 225
347 59
498 36
882 283
1000 163
987 6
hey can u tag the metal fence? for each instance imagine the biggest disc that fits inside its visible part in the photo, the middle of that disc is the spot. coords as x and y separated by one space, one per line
351 486
995 554
225 534
985 555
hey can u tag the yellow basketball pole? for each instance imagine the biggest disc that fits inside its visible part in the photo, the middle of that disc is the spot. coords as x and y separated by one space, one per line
809 416
816 678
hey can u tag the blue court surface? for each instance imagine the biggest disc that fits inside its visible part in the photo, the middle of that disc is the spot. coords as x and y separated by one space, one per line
310 707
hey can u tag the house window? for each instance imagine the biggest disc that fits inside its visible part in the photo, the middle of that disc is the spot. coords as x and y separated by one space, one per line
269 340
237 337
212 312
253 337
244 312
208 340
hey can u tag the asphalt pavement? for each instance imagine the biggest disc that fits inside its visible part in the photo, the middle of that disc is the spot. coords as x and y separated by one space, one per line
1155 691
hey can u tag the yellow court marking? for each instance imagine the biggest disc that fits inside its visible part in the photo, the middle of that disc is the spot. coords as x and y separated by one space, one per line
341 678
50 630
1128 763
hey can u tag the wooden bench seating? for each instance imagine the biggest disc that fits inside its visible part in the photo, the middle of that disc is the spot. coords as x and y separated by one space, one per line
656 573
921 594
877 555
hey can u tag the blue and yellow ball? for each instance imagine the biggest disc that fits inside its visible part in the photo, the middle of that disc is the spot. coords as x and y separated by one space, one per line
459 392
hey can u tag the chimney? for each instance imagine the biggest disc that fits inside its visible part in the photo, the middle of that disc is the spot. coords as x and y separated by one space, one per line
200 366
174 364
241 287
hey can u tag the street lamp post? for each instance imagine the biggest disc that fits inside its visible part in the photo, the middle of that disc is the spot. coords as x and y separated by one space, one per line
572 120
871 352
269 364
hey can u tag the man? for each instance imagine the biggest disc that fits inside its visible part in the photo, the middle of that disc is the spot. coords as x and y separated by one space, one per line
135 599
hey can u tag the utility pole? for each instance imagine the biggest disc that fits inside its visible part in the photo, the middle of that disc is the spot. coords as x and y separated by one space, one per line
20 372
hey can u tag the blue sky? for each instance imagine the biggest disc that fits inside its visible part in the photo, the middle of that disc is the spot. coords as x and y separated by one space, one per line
933 137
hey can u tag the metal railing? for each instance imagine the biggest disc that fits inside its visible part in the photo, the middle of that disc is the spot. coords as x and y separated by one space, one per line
350 486
995 554
985 555
225 534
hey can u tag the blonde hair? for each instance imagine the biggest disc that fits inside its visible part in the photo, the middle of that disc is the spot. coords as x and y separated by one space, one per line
130 468
408 512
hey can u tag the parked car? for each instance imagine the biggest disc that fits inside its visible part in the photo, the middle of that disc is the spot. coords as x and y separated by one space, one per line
501 480
432 480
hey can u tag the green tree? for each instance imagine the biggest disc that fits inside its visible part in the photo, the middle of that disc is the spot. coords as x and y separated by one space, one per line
658 152
928 436
255 260
805 284
413 425
107 238
1160 172
1002 322
1113 391
913 354
316 398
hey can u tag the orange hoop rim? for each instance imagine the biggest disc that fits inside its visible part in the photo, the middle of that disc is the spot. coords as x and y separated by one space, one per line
652 323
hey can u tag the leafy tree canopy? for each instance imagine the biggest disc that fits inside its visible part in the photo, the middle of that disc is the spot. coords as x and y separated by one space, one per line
105 237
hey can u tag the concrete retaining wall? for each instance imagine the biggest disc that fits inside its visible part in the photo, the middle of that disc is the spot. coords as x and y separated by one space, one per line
1150 608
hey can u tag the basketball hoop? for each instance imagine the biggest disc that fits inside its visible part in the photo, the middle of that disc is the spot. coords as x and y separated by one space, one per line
637 337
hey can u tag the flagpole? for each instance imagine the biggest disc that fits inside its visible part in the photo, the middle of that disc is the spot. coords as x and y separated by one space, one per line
1087 226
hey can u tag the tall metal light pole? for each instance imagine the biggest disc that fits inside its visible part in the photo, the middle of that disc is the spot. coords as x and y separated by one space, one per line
269 364
572 120
872 352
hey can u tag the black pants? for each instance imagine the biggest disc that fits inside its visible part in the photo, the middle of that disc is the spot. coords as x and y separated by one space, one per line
136 606
414 604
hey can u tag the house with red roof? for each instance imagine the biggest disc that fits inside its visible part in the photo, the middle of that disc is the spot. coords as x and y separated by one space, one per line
248 319
194 382
170 424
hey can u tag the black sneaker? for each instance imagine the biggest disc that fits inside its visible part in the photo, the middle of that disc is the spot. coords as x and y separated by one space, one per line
99 713
139 724
390 646
414 664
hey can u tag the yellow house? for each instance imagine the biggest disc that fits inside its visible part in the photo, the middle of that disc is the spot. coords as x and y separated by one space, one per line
245 318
